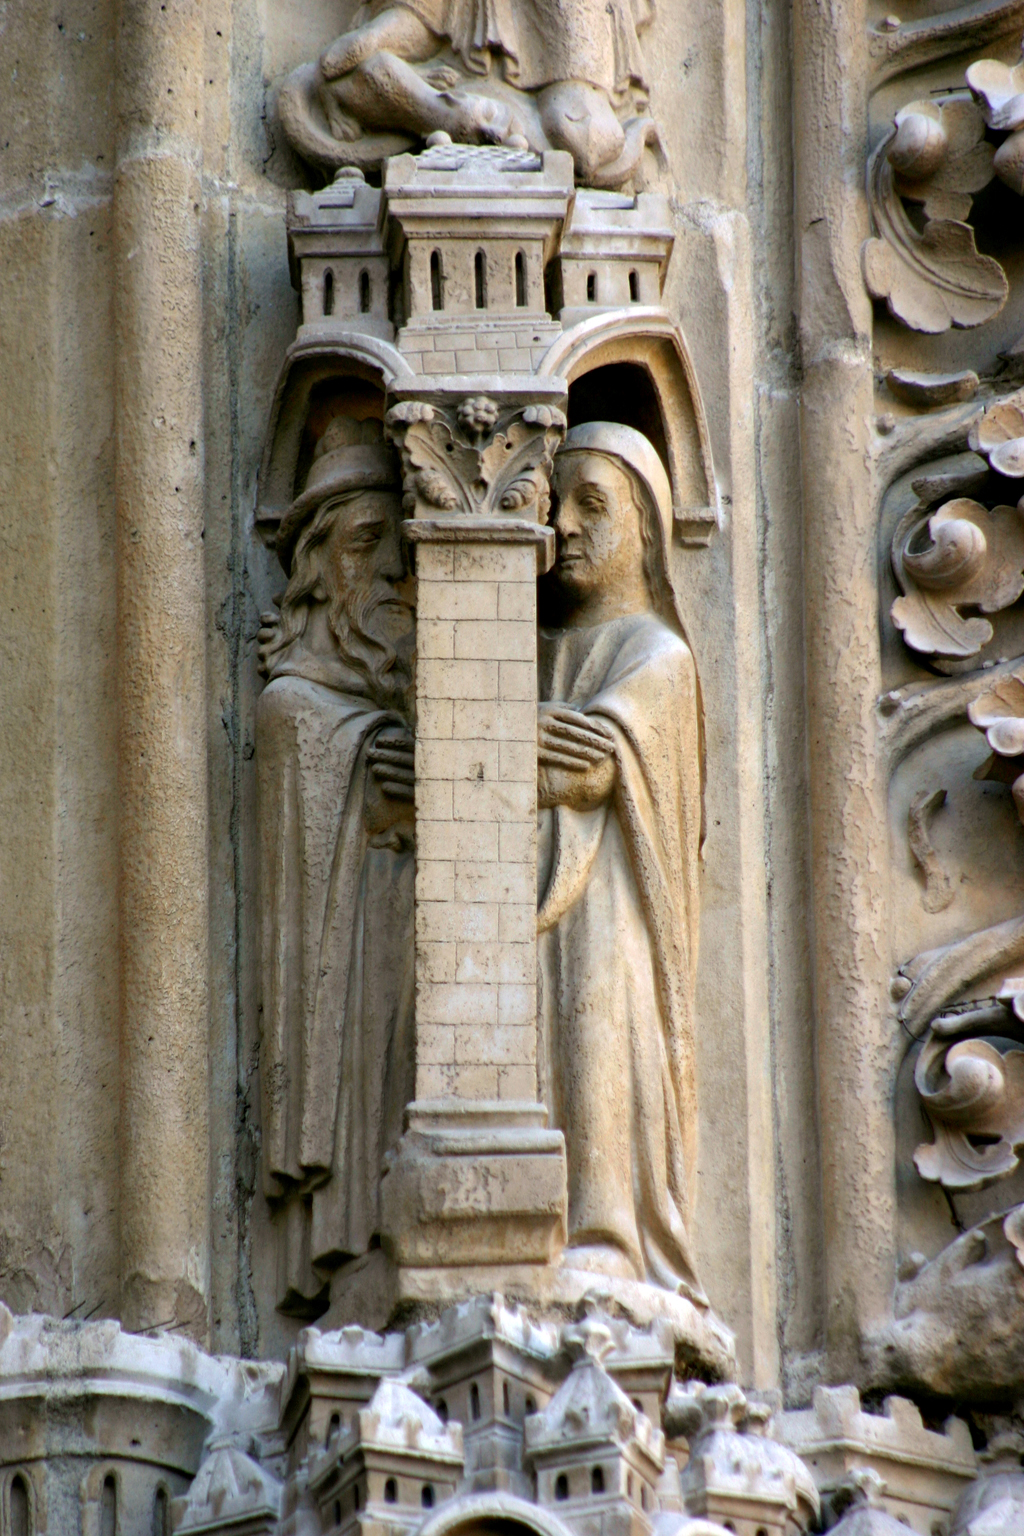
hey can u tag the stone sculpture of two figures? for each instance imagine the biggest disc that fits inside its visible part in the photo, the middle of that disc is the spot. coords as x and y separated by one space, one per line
619 766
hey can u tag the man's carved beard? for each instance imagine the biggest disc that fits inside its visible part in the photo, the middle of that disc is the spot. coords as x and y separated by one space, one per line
366 641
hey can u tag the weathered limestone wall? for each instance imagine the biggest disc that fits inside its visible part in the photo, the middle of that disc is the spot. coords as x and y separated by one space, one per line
59 1093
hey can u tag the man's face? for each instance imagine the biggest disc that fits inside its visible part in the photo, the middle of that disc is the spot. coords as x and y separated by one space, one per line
597 524
363 564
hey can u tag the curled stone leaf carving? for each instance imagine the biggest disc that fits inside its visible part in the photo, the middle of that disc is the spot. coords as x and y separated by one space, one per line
934 278
1013 1228
471 462
999 435
960 556
999 91
973 1095
999 712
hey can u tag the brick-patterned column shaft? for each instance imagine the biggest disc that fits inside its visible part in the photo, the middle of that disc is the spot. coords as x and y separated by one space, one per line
476 818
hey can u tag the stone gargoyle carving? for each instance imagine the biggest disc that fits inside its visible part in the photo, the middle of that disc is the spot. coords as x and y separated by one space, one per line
568 74
961 555
619 789
335 791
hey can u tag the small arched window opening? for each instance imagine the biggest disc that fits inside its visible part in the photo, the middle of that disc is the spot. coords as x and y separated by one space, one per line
629 1486
390 1491
334 1427
474 1401
531 1405
643 1495
328 292
357 1502
634 287
591 287
597 1480
436 281
520 280
442 1410
504 1398
161 1513
561 1487
480 279
337 1511
108 1507
364 292
19 1507
427 1495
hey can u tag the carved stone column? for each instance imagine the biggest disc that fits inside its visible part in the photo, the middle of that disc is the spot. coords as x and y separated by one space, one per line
479 1179
161 670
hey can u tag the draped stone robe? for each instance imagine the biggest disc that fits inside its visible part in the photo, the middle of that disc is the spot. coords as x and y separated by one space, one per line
618 918
337 1057
540 42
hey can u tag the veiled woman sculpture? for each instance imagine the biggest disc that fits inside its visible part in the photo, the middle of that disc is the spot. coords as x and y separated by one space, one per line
620 768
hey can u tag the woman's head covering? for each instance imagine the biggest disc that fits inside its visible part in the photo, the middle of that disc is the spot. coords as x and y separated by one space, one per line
639 454
350 456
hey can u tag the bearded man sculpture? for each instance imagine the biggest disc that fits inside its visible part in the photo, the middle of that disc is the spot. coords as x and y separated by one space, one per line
335 792
620 795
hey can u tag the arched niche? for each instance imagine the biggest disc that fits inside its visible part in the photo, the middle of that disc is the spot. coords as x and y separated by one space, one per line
493 1514
634 367
350 375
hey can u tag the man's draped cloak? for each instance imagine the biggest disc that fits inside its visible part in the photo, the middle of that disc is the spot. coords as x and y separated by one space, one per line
337 1057
618 921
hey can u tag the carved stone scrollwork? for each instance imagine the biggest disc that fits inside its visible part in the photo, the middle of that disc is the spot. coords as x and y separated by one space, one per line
973 1095
935 278
999 712
961 555
999 435
476 459
999 90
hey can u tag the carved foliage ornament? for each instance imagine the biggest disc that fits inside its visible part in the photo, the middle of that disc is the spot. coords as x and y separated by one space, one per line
999 435
999 712
973 1095
935 278
469 461
960 556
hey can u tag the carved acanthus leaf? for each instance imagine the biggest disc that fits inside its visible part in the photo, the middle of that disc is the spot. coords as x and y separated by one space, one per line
999 435
973 1095
935 278
999 91
999 712
962 555
472 462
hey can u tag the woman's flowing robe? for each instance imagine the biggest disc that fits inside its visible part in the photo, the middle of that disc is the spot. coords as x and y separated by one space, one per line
618 922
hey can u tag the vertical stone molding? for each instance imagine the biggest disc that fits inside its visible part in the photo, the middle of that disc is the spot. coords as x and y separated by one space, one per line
841 605
164 1200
